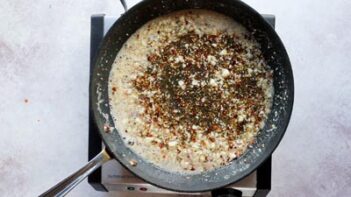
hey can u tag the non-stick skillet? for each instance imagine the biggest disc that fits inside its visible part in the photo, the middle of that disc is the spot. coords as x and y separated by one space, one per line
267 140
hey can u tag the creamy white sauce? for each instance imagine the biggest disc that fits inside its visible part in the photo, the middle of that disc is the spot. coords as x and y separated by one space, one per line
131 61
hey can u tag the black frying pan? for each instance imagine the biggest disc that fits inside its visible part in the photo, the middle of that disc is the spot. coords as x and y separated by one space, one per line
267 140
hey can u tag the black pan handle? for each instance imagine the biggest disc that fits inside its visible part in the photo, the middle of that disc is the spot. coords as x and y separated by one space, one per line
226 192
62 188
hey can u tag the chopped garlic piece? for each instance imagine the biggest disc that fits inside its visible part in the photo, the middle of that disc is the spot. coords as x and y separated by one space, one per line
181 84
225 72
223 52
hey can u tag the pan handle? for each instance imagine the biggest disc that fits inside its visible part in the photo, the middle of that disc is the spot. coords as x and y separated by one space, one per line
66 185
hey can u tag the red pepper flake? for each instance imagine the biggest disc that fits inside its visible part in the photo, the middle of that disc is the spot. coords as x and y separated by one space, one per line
211 139
149 135
151 58
162 145
212 38
174 52
114 89
216 128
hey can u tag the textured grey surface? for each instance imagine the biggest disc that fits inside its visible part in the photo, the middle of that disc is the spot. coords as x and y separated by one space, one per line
44 57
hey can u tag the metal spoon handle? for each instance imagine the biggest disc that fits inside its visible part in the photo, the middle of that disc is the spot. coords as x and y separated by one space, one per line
124 5
66 185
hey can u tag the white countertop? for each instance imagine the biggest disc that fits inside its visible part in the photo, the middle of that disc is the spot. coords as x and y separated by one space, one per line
44 59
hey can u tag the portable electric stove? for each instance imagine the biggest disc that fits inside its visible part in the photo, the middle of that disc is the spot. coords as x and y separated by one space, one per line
114 177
